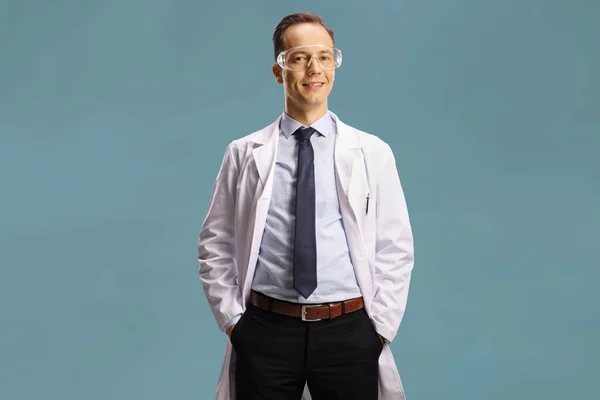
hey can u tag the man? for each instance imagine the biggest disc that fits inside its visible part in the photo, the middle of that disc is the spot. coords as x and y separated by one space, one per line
306 250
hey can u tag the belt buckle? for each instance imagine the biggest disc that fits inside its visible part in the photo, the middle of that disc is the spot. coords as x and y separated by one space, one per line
305 307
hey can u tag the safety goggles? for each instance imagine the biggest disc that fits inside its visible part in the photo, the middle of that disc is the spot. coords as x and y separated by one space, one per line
301 57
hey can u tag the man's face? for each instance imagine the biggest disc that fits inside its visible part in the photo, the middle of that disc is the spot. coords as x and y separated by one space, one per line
299 94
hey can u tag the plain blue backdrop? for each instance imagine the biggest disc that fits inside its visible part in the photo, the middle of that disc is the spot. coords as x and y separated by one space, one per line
114 116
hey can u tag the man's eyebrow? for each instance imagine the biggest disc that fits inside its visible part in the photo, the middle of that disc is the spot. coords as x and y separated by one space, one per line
304 51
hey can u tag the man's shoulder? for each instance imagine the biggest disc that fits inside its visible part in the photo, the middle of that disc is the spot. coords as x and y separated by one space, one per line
257 136
243 141
369 140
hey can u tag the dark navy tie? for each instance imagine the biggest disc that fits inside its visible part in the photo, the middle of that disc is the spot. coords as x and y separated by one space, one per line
305 242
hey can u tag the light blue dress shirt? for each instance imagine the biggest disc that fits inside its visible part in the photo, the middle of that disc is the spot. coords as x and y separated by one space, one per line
336 280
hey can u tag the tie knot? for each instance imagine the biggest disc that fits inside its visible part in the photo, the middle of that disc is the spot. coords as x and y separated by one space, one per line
304 133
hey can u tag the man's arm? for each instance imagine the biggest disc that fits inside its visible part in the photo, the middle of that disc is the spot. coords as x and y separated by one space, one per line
216 247
394 258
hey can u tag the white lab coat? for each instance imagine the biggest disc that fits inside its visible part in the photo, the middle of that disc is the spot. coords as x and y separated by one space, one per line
380 240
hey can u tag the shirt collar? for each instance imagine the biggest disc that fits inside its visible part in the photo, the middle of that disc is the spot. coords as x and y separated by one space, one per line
324 125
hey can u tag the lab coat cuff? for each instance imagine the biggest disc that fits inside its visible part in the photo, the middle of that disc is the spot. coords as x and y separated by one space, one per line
233 321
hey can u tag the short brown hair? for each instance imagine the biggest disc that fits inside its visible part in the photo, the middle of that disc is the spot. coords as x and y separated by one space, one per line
292 19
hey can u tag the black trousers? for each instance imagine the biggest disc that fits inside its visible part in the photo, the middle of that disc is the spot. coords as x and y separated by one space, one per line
276 355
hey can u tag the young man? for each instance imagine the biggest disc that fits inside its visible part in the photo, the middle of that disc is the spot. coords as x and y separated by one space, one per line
306 250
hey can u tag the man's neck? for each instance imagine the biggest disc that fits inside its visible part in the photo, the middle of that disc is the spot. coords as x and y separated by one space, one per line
306 117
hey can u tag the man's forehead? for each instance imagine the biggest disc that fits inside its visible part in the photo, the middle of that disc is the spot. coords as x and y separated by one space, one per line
306 34
321 48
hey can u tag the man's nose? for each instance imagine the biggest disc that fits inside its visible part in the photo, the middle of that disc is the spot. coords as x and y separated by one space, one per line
314 65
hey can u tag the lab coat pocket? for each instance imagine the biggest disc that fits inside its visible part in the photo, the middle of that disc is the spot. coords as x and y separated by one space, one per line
370 222
235 331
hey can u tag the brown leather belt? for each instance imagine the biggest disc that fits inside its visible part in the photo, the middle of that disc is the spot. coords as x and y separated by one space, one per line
306 312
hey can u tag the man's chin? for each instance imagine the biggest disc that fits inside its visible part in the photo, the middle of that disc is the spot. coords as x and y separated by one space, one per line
315 101
310 102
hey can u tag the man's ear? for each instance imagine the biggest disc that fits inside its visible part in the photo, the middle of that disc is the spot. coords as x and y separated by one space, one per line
277 73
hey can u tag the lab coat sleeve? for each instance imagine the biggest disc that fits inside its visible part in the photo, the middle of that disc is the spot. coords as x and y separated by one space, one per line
216 245
394 252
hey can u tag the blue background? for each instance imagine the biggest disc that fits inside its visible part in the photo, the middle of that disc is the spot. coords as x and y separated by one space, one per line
114 116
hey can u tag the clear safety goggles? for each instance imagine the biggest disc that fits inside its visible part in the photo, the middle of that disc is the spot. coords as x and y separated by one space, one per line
301 57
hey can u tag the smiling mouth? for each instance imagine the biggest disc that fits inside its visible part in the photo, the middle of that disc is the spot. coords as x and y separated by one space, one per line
313 85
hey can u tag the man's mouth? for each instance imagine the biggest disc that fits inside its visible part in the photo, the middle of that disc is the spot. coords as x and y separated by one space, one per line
313 85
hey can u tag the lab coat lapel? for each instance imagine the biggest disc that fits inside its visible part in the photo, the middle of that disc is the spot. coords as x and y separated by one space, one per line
264 151
347 156
352 190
